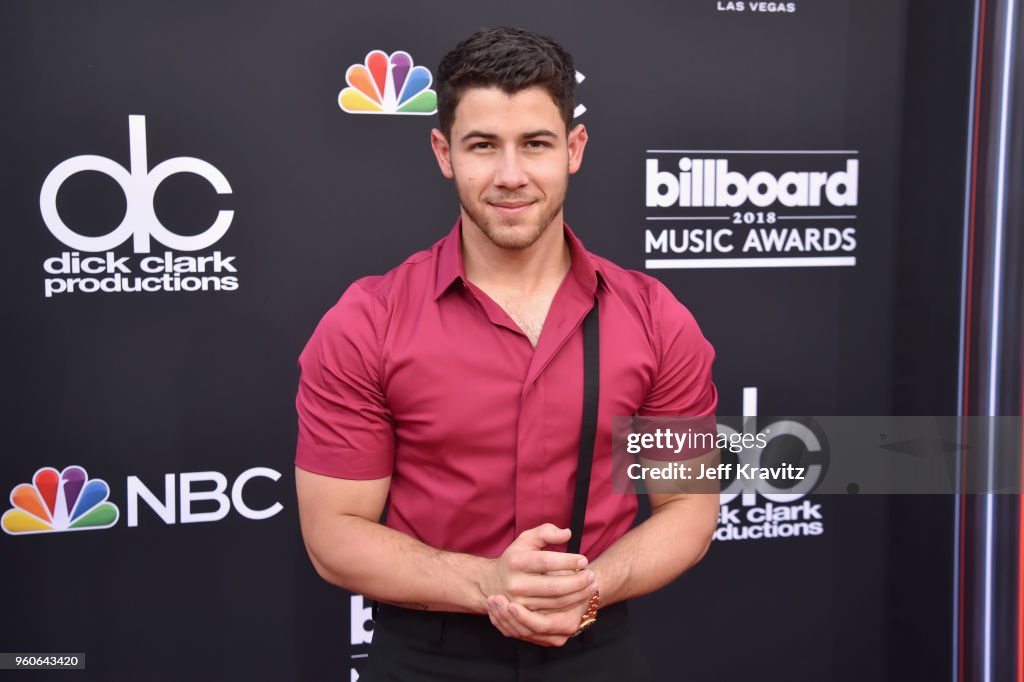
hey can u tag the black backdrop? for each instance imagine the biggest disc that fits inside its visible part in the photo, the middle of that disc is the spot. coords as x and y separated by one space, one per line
156 385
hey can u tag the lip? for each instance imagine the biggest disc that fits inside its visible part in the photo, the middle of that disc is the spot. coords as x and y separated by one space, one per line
510 208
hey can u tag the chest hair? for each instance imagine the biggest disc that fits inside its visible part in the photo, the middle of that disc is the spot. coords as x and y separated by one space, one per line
528 312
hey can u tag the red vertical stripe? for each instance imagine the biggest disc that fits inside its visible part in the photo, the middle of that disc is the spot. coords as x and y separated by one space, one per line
964 499
1020 554
1020 550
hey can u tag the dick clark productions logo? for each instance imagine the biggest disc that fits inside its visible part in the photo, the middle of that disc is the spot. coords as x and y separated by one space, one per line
71 272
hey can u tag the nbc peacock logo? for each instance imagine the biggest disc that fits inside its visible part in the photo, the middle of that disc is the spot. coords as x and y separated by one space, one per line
386 84
58 501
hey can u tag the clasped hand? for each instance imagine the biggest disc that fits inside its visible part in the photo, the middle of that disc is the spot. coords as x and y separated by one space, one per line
537 595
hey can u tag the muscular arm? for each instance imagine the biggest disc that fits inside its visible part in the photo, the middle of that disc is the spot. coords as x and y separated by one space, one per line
349 548
663 547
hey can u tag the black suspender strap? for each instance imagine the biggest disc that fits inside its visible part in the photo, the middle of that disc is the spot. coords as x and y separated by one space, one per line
588 428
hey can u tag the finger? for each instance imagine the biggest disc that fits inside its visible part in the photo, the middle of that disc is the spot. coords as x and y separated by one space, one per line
544 535
550 627
568 601
516 629
503 620
520 631
497 611
541 561
494 615
529 586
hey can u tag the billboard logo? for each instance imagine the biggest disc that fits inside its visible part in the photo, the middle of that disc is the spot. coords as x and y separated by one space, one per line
709 182
361 620
750 208
385 84
58 501
115 274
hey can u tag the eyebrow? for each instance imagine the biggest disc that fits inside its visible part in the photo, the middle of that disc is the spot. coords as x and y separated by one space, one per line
543 132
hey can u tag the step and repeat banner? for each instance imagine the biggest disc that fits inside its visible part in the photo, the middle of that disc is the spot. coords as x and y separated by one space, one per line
190 186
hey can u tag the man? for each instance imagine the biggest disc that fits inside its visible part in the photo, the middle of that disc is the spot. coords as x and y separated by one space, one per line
451 389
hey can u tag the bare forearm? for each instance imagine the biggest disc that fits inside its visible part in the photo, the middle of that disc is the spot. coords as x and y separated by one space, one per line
651 555
384 564
349 548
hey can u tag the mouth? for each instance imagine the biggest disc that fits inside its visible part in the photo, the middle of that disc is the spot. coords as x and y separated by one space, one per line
511 208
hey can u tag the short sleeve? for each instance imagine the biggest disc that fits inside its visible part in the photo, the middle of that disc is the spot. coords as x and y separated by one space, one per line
683 385
345 427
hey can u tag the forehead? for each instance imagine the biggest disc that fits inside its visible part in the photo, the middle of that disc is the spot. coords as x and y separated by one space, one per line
493 110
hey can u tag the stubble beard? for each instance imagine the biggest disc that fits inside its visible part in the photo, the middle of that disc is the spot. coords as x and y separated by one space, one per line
497 230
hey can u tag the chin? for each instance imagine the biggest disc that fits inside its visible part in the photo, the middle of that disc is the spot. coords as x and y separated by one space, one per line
513 237
513 234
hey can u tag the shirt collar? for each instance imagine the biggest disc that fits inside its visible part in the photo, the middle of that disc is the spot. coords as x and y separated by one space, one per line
451 268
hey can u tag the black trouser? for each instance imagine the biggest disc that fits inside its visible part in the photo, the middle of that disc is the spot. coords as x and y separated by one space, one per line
419 646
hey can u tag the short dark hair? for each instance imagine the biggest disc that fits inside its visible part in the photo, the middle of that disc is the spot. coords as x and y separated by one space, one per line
512 59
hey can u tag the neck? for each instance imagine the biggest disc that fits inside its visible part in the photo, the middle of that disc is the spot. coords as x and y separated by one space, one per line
526 270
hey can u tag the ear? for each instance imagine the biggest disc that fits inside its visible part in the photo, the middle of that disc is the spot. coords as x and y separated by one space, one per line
443 152
577 143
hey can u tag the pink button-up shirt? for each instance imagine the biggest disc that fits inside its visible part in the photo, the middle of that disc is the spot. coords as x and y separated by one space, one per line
419 375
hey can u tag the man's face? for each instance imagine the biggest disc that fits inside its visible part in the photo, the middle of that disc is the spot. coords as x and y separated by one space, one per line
511 159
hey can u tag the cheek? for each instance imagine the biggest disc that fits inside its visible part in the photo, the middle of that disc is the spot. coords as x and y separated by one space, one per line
468 174
553 179
465 177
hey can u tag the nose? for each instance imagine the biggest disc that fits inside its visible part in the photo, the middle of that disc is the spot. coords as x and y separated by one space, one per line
510 173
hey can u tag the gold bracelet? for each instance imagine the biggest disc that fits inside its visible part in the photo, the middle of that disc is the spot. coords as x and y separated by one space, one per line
590 615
